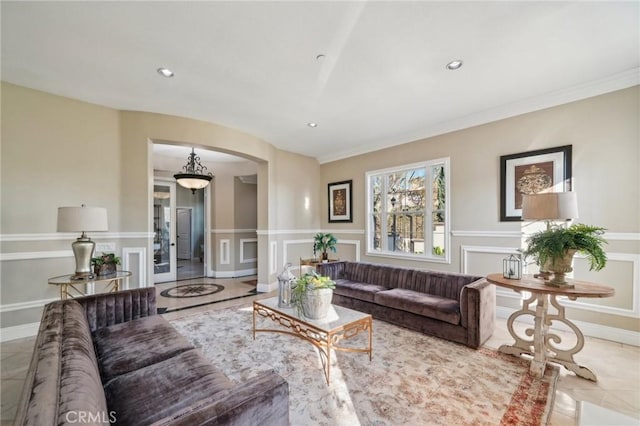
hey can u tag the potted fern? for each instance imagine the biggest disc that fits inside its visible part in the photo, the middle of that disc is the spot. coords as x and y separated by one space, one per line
553 249
311 294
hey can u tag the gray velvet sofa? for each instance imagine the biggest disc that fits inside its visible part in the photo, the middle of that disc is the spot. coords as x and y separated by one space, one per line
109 358
456 307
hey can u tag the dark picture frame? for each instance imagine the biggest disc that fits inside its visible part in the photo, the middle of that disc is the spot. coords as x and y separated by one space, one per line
340 201
529 173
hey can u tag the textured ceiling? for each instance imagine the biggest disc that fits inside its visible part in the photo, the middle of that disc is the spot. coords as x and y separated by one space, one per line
382 80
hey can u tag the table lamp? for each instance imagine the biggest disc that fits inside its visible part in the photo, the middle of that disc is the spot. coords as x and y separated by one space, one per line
83 219
549 206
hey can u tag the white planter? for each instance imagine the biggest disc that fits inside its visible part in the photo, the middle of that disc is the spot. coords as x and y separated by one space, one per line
316 303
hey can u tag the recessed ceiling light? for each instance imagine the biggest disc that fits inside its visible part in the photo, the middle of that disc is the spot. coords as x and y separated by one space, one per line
312 124
165 72
454 65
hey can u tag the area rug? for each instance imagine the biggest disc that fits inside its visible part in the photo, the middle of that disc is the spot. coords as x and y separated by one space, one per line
198 293
192 290
413 378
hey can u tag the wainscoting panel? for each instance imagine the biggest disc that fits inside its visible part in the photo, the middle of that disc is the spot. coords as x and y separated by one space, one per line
248 250
225 255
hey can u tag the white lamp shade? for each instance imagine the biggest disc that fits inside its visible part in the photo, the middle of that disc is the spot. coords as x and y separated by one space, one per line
550 206
83 219
193 183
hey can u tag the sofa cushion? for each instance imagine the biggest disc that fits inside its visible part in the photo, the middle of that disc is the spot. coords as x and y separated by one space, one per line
152 393
80 388
128 346
398 277
443 284
357 290
419 303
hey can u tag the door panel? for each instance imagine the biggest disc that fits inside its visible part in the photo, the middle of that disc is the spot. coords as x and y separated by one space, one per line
184 233
164 247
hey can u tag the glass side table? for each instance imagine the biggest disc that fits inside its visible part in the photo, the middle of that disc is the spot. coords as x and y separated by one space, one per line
69 287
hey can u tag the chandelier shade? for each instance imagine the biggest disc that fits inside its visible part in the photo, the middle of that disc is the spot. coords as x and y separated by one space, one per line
195 175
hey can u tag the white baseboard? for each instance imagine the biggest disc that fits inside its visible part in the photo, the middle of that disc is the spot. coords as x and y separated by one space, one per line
267 288
233 274
620 335
19 331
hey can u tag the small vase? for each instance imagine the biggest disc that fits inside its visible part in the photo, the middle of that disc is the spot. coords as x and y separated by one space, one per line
106 269
316 303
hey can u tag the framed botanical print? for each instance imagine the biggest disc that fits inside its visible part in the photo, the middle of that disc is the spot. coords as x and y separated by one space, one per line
531 172
340 199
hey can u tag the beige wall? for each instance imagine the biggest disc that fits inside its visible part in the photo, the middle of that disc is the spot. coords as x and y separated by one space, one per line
58 151
604 132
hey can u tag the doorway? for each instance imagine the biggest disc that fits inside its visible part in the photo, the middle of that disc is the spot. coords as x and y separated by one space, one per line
190 233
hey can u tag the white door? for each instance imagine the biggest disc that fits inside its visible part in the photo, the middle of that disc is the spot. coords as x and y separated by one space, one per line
184 233
164 228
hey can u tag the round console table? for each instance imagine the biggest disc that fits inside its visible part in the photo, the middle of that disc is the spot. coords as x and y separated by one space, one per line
67 284
543 346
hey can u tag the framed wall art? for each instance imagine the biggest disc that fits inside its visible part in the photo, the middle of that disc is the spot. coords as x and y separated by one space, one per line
340 199
543 170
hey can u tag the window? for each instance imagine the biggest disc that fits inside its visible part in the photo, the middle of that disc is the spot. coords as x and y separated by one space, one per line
408 211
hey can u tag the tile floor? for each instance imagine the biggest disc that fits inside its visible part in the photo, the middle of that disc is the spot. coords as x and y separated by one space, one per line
616 365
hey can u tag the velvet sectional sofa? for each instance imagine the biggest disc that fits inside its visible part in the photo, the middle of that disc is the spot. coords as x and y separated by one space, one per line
456 307
109 358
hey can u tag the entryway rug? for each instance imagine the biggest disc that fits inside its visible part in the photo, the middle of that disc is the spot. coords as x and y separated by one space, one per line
413 379
172 297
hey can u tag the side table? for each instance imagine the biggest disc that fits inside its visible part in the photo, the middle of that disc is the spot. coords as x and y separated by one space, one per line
543 346
66 284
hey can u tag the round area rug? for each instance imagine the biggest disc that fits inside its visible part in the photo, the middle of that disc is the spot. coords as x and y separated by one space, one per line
192 290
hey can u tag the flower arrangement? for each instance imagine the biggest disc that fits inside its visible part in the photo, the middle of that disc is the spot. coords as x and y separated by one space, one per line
308 283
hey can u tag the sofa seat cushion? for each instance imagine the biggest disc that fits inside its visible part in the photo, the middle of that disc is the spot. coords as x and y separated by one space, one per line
357 290
150 394
427 305
128 346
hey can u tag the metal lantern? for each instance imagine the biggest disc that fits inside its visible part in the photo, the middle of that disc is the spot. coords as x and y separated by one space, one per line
512 267
284 287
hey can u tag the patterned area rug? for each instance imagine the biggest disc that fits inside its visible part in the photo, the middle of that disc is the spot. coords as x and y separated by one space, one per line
413 379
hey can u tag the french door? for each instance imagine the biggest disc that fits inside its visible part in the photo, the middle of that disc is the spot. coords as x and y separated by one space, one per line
164 228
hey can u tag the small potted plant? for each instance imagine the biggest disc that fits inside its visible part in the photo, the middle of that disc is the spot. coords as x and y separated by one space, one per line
553 249
323 243
105 264
311 294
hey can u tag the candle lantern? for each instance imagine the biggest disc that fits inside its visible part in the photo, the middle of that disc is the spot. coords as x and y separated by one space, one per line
512 267
285 279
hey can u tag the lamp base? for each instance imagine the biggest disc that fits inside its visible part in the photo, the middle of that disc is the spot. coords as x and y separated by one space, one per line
83 249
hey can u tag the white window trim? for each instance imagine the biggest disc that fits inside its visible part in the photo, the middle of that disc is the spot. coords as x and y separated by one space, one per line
427 256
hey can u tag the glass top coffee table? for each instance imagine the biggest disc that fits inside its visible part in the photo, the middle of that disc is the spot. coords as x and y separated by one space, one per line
340 324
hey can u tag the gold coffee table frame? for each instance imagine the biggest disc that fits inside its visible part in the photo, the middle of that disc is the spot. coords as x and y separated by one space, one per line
342 323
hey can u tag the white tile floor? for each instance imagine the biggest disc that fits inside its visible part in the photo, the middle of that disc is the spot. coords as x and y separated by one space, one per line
616 365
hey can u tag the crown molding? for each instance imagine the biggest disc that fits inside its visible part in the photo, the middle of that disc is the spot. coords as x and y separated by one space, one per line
609 84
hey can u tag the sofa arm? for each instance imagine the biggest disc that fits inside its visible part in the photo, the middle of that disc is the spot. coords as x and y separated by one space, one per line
478 311
107 309
333 270
261 400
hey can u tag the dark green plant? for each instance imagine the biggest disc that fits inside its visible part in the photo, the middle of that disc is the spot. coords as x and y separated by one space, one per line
552 244
105 259
323 242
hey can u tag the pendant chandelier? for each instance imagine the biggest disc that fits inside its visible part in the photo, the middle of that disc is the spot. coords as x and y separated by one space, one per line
195 175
